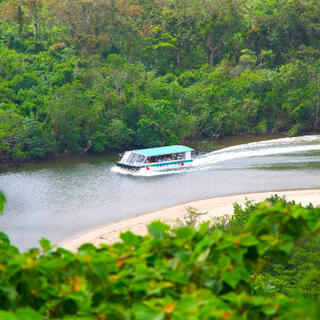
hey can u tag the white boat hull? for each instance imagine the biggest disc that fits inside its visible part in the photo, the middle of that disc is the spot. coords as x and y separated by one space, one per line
162 166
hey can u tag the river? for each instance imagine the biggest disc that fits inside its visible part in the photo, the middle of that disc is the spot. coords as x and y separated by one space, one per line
60 198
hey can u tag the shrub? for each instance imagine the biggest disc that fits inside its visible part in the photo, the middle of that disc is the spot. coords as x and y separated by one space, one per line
182 273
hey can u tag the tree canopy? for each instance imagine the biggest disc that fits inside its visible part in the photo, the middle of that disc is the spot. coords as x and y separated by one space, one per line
100 75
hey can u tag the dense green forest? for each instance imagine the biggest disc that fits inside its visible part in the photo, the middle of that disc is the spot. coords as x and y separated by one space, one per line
99 75
262 264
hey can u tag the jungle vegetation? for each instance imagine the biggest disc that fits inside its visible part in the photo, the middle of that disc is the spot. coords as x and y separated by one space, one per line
101 75
262 264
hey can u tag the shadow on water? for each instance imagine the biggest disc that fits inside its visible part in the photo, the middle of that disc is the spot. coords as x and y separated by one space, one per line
63 162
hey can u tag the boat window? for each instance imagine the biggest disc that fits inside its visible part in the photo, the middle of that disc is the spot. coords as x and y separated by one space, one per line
136 158
130 159
181 156
140 158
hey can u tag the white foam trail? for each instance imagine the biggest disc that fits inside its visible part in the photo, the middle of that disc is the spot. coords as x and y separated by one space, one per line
229 155
254 149
274 142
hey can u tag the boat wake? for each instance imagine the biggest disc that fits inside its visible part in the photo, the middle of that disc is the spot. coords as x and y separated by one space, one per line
259 149
281 146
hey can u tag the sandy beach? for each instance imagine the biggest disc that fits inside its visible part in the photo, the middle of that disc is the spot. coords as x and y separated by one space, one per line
209 208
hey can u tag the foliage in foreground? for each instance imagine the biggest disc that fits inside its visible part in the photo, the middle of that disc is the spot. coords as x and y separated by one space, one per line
182 273
299 273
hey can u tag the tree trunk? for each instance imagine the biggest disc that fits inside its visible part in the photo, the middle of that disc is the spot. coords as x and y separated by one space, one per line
178 59
20 19
219 123
211 51
178 107
35 18
316 118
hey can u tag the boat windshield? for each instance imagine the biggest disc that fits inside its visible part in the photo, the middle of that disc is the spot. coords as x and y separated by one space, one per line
125 157
135 158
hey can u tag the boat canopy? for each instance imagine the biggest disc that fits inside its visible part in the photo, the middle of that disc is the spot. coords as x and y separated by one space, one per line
150 152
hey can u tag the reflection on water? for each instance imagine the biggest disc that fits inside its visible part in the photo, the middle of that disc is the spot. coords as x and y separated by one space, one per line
63 197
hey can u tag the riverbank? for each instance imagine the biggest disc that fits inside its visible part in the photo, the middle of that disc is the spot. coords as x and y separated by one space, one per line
209 208
201 145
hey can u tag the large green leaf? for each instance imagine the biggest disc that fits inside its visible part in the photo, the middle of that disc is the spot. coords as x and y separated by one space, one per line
157 228
2 201
130 239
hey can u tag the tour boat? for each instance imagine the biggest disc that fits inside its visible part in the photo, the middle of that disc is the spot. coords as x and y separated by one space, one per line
156 159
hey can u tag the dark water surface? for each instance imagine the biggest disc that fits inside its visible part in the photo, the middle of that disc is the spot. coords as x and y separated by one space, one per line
60 198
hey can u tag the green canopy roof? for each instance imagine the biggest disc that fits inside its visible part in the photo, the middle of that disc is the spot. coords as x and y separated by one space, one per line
163 150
